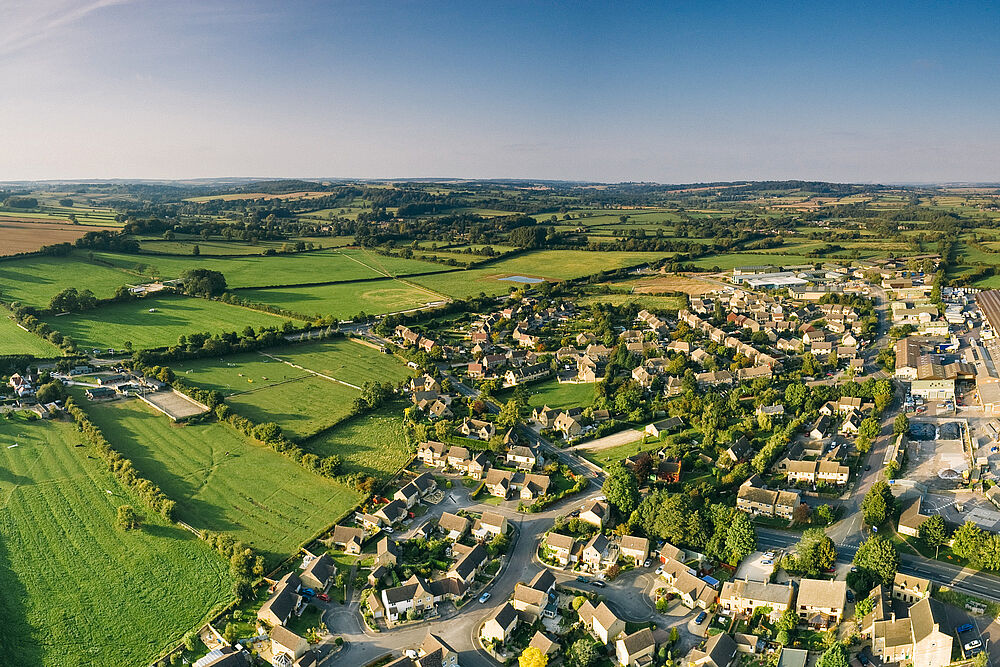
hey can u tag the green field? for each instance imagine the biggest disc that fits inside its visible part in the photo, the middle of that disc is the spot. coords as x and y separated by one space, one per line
345 301
35 280
345 360
648 301
373 443
76 589
111 326
223 482
468 283
563 264
236 373
15 340
731 260
565 395
301 407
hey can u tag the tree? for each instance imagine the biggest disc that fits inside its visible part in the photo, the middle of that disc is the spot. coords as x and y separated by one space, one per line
788 620
901 425
621 489
741 538
815 553
878 504
801 513
510 414
582 653
51 392
128 518
878 558
203 282
578 602
532 657
824 514
864 607
835 656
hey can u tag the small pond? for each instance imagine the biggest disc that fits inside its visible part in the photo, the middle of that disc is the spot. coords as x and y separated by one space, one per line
523 279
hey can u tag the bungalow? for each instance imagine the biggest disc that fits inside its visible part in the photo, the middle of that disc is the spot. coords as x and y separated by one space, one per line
560 547
637 649
599 553
453 526
349 539
477 428
499 625
490 524
283 601
635 548
595 513
371 522
601 622
664 426
319 572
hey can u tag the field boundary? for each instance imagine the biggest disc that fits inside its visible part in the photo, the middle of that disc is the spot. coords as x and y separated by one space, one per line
309 370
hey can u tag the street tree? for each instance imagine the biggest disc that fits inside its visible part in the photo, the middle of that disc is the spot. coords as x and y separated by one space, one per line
741 538
510 414
877 557
878 504
901 424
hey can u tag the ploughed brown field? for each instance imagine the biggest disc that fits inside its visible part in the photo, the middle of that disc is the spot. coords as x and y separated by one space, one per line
673 283
21 236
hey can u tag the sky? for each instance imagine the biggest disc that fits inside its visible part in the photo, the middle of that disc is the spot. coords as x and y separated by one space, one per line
671 92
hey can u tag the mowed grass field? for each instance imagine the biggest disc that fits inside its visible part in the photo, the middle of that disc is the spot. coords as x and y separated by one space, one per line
35 280
76 590
373 444
111 326
648 301
301 407
257 271
223 482
556 395
15 340
731 260
236 373
345 360
347 300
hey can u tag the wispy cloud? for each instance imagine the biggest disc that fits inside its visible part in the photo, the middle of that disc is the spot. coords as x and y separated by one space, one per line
28 23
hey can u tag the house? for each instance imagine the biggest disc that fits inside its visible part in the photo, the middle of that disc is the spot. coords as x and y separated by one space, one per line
468 564
286 646
387 552
545 416
823 471
755 498
532 599
910 589
419 595
477 428
820 603
719 651
599 553
668 470
490 524
284 601
319 572
499 625
371 522
433 652
543 643
432 453
595 513
910 519
851 425
691 590
918 639
560 547
524 457
501 483
224 656
713 378
670 552
413 491
745 597
453 525
392 512
820 428
635 549
754 373
349 539
643 376
567 424
664 426
601 622
740 450
636 649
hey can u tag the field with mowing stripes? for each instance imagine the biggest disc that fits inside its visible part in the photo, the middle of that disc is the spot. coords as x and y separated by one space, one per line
15 340
373 444
345 360
223 482
35 280
114 324
301 407
345 301
236 373
76 589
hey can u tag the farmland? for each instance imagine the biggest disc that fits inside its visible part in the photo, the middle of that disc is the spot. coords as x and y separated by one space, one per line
300 407
23 236
236 373
35 280
15 340
114 325
345 360
223 482
75 585
648 301
373 444
346 301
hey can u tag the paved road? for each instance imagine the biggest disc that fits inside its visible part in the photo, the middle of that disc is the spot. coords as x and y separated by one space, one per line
608 441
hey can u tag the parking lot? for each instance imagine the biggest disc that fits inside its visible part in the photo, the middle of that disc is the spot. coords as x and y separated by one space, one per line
756 567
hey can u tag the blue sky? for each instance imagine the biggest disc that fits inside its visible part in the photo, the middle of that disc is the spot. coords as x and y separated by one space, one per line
668 92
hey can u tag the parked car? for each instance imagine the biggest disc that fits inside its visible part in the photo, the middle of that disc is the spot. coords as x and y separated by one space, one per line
974 644
484 597
964 628
598 583
308 591
324 597
767 561
659 570
850 596
700 618
647 563
868 467
583 580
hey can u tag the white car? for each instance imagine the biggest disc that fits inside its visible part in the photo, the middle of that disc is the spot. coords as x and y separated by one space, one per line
659 570
974 644
647 563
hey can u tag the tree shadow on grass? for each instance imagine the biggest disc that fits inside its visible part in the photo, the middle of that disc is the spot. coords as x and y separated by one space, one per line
18 641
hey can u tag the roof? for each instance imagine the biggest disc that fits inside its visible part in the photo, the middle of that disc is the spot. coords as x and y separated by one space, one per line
542 642
559 541
822 593
504 616
926 617
912 583
638 641
321 568
285 637
793 657
604 616
453 522
543 581
635 543
284 599
719 649
597 507
529 595
492 519
468 563
758 592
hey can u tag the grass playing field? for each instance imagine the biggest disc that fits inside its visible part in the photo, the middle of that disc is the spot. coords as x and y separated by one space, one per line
373 443
557 395
111 326
76 589
301 407
345 360
223 482
15 340
345 301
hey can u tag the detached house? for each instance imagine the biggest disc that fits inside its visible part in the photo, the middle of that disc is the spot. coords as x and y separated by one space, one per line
453 525
637 649
745 597
489 525
319 572
500 624
532 599
820 603
284 601
601 622
599 553
596 513
560 547
635 549
477 428
524 457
